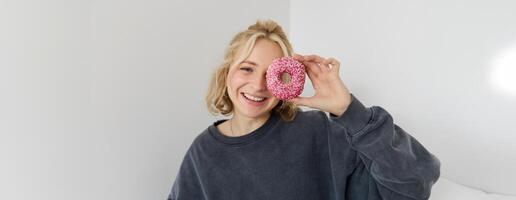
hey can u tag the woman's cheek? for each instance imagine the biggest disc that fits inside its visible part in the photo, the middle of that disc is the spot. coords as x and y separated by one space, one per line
238 79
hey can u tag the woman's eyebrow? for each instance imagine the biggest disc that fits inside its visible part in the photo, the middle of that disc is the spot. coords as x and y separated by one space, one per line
250 62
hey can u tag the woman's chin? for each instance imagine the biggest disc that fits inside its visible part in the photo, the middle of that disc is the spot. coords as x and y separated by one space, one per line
256 114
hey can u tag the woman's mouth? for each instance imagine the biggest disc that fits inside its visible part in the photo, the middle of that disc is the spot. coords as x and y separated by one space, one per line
253 100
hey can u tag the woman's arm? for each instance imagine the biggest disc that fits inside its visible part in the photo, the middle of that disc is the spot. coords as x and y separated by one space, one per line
391 163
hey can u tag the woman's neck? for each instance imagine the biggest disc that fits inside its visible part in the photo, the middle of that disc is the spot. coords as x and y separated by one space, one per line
241 125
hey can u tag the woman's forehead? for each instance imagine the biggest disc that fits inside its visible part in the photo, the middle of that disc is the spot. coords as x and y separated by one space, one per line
261 54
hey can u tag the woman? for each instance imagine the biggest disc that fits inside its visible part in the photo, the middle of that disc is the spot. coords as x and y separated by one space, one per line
271 149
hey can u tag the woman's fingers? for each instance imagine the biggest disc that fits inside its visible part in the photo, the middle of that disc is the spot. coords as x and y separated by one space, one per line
312 66
318 64
328 86
312 75
298 57
332 64
325 65
314 58
313 62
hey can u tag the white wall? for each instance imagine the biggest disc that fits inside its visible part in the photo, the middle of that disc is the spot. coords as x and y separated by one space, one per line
100 99
444 69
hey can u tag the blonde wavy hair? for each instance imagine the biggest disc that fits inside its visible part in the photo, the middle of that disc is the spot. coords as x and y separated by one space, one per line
217 98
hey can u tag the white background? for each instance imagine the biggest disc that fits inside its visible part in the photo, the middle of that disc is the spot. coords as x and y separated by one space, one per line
101 99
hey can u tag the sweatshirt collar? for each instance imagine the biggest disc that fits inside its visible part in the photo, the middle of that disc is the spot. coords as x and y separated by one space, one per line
244 139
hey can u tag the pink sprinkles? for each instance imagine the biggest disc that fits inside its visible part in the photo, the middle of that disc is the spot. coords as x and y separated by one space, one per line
295 69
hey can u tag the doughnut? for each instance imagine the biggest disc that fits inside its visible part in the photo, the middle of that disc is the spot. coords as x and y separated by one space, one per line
275 84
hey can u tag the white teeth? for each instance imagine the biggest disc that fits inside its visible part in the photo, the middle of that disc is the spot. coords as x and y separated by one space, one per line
253 97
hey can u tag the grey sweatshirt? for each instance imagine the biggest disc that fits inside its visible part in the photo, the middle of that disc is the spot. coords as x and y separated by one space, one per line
359 155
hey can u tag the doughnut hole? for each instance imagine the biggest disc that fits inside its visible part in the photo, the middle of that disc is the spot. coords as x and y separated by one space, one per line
285 78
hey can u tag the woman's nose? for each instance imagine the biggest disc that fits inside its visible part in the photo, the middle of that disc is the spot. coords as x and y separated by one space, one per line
260 83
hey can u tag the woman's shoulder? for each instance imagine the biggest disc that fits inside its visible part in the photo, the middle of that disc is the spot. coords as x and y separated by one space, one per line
310 115
309 119
199 143
199 139
203 136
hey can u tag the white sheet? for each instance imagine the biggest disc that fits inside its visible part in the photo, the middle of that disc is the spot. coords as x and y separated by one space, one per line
446 189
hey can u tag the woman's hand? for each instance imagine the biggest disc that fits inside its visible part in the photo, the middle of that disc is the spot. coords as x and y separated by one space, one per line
331 95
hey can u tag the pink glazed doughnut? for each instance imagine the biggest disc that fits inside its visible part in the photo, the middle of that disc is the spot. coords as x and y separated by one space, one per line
292 89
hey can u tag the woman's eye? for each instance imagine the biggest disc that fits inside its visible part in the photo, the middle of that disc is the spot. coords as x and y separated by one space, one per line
247 69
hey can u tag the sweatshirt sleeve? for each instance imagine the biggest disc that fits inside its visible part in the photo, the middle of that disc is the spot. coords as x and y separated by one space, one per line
390 163
186 185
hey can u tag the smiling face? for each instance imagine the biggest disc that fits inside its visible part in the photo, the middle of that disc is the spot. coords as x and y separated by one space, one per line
246 83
